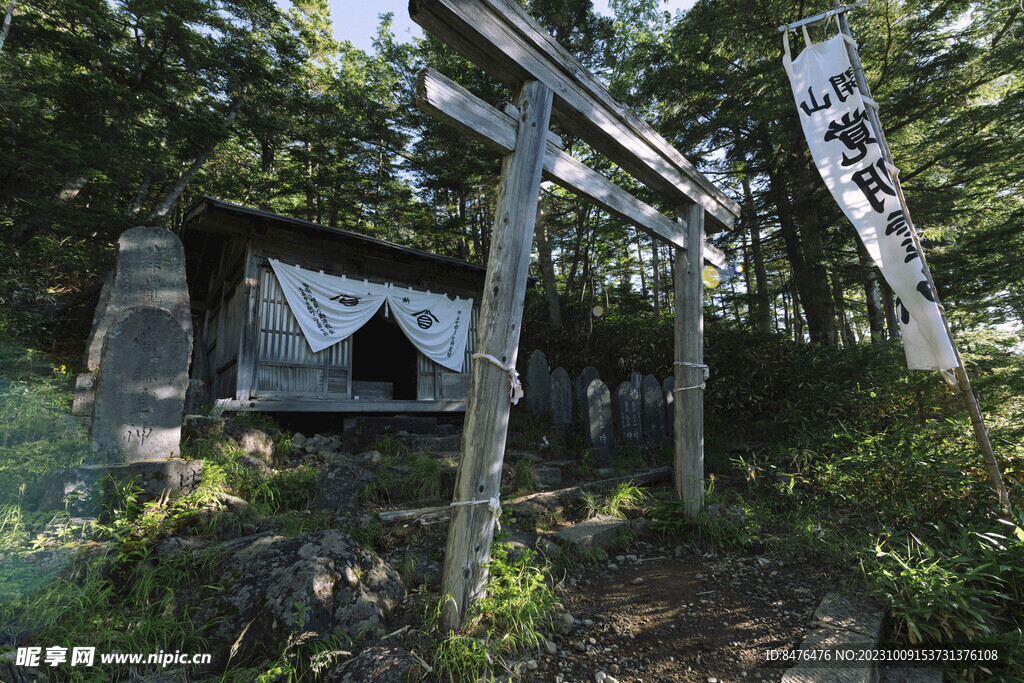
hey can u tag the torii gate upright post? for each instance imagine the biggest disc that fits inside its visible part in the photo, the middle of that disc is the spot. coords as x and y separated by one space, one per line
688 460
476 509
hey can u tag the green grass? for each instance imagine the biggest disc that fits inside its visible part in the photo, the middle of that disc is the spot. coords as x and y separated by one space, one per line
509 620
37 432
626 498
525 476
424 475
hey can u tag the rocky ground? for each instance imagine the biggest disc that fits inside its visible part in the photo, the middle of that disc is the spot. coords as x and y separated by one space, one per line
633 606
649 610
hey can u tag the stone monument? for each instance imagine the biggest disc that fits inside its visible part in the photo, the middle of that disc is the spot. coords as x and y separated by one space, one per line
561 398
627 410
599 422
537 389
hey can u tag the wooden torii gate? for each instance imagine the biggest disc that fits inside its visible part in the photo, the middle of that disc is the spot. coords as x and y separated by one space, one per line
550 84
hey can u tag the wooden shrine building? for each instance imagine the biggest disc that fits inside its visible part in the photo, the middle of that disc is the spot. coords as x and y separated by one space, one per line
250 349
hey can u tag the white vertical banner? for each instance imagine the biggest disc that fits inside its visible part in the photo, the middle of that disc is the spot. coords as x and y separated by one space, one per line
849 158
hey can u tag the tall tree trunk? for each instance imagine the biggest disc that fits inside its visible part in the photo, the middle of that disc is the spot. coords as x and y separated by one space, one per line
872 296
785 313
805 252
140 196
889 306
818 306
547 267
656 278
640 260
842 320
159 214
7 23
761 318
798 318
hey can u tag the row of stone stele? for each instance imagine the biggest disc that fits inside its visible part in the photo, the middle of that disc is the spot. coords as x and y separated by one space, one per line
132 396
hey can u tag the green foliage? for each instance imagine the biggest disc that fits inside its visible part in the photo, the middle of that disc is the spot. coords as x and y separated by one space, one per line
425 475
119 599
525 476
304 656
509 620
286 490
372 535
962 582
37 432
627 497
390 446
717 528
591 508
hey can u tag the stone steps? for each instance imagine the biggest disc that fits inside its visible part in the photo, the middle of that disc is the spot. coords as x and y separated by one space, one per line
846 623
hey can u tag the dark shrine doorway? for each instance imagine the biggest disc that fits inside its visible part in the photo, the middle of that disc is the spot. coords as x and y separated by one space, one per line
381 353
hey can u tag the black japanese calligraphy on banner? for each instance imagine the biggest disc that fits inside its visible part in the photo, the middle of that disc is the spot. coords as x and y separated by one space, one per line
329 308
845 149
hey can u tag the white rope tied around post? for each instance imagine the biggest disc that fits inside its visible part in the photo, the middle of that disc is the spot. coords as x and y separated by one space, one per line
493 504
686 364
515 387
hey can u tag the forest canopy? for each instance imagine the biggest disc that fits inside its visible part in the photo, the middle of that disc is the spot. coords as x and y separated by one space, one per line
115 114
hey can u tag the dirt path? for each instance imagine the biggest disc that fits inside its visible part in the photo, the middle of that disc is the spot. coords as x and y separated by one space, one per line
658 614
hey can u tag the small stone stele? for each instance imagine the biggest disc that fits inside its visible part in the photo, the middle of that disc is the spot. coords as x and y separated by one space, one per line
599 421
627 413
140 391
560 391
537 388
668 389
654 408
588 375
637 380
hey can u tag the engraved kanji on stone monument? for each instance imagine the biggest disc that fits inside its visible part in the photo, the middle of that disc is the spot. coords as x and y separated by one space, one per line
150 271
627 413
599 421
654 408
141 386
561 398
537 389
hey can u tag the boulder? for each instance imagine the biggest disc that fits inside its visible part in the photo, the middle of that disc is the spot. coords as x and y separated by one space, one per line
254 442
255 465
321 583
385 662
341 482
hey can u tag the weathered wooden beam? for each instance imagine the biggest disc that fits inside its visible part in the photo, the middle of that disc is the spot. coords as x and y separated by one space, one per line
505 41
446 100
501 312
312 403
650 476
689 375
509 109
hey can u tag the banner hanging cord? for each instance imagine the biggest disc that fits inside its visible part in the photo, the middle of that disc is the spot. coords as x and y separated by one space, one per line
515 387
